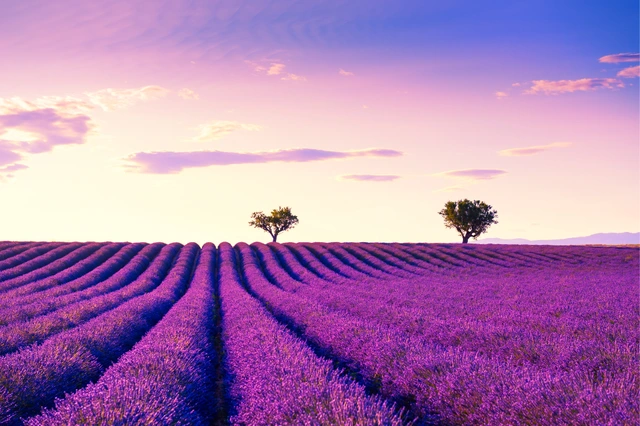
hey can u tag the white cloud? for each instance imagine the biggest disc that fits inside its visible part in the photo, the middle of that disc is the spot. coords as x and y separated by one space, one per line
112 99
370 178
531 150
218 129
473 174
188 94
450 189
345 73
62 104
294 77
275 69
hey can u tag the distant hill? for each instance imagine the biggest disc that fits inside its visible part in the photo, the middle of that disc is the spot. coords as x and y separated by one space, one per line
603 238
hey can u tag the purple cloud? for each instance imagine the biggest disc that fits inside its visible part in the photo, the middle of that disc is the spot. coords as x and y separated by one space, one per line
13 168
371 178
50 126
474 174
531 150
24 130
568 86
620 57
7 153
630 72
168 162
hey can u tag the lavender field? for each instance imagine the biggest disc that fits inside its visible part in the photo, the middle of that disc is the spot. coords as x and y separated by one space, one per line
318 334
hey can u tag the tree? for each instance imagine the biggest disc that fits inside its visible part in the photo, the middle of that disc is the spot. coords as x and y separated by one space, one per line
280 220
469 218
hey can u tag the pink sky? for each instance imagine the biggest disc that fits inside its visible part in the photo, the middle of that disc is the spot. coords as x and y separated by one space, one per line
174 121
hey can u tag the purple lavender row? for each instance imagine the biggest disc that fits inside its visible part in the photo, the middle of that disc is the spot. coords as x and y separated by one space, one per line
491 256
388 266
461 256
81 252
345 262
433 253
32 378
288 260
371 254
459 253
411 319
151 272
428 265
85 266
276 378
452 256
329 259
37 267
14 248
316 279
347 257
309 260
7 244
272 268
426 308
432 377
514 254
117 273
546 255
21 257
166 378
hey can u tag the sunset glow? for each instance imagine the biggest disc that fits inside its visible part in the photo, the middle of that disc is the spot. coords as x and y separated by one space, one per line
174 120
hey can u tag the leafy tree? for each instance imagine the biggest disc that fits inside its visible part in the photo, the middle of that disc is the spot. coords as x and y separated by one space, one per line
469 218
280 220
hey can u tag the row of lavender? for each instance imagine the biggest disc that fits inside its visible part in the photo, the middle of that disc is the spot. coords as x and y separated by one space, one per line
556 344
168 376
457 334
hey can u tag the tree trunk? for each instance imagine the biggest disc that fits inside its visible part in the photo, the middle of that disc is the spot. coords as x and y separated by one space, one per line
275 237
465 240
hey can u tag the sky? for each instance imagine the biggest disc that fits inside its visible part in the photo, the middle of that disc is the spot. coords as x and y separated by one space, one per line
174 120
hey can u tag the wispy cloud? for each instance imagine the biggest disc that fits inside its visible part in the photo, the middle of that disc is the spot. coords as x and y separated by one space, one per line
621 57
294 77
188 94
256 66
501 95
531 150
112 99
370 178
218 129
630 72
473 174
174 162
62 104
345 73
450 189
568 86
275 69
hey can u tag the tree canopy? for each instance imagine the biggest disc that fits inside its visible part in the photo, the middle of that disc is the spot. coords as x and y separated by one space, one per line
280 220
469 218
